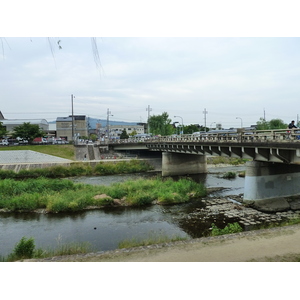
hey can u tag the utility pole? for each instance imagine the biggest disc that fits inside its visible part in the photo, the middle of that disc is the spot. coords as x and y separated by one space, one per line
72 117
107 122
148 109
205 113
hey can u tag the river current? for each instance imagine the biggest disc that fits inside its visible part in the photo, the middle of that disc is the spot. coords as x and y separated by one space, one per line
105 228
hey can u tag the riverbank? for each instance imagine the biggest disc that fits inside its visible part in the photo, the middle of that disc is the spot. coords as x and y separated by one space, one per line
280 244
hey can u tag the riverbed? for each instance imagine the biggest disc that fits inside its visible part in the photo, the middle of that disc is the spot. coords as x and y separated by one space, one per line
104 229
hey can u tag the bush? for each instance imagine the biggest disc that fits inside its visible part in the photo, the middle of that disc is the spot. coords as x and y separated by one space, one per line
230 228
229 175
23 249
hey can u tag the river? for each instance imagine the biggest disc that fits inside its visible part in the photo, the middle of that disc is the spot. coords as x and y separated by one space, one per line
105 228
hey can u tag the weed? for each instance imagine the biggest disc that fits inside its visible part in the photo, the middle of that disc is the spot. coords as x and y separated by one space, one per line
229 175
230 228
152 239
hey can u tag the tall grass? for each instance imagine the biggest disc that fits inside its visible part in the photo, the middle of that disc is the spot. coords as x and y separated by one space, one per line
25 249
62 195
150 240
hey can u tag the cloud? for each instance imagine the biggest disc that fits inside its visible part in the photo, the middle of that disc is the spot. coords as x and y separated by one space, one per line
229 77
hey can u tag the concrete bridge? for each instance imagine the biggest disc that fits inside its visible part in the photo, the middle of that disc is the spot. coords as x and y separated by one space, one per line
272 179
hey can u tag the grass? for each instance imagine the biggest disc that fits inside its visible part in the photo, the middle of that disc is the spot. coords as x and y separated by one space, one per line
228 229
151 240
63 151
216 160
229 175
62 195
80 169
25 249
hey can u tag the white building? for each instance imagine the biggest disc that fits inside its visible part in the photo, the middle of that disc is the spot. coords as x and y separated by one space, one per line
12 123
116 130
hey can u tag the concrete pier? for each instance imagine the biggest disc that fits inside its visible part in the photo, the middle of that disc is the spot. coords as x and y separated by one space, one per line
182 164
272 186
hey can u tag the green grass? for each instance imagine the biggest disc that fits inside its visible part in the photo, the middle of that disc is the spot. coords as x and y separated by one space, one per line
228 229
229 175
216 160
62 195
25 249
150 240
63 151
80 169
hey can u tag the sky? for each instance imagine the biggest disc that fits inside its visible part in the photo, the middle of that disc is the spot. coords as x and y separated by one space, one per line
232 71
232 81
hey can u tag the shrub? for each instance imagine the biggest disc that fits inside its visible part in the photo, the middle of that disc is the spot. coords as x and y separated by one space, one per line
230 228
23 249
229 175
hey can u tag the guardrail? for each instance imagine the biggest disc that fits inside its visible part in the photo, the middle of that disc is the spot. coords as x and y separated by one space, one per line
278 135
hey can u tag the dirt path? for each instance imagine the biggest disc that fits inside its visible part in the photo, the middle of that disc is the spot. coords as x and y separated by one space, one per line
276 244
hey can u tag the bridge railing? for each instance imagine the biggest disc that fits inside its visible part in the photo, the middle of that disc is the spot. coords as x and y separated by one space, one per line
279 135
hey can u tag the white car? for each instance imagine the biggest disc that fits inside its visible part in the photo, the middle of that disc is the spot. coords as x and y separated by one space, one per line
4 143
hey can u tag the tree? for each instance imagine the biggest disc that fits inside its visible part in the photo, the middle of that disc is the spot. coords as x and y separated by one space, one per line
124 135
160 124
262 124
277 124
133 133
28 132
3 131
191 129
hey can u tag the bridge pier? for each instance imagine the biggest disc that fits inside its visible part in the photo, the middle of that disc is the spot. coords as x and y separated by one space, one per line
272 186
182 164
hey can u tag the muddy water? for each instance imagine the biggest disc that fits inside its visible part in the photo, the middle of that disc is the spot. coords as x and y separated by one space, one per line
105 228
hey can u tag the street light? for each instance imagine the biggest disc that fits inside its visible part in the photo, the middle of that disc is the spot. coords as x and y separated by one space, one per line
241 121
181 122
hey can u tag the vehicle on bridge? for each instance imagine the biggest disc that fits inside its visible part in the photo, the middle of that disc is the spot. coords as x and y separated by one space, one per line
4 143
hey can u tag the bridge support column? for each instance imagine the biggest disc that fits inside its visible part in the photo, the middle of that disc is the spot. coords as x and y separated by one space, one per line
272 186
182 164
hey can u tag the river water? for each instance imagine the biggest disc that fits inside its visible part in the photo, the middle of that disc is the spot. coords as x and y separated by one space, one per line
105 228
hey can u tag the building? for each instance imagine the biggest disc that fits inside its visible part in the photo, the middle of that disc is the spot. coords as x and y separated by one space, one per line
116 130
12 123
64 127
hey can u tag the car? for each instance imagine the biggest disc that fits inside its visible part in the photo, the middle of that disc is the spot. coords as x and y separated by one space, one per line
4 143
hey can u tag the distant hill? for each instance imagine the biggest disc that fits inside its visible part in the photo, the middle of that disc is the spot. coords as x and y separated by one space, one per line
92 122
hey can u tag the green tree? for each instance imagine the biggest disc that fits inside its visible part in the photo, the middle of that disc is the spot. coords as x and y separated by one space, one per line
28 132
133 133
161 124
3 131
93 137
124 135
277 124
262 124
190 129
